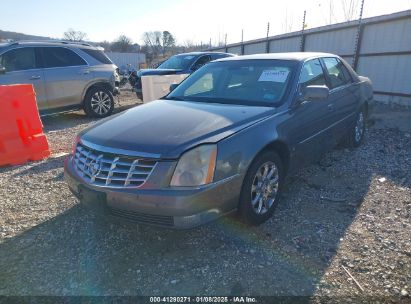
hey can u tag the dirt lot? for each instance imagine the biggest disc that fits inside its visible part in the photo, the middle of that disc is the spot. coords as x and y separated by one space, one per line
352 210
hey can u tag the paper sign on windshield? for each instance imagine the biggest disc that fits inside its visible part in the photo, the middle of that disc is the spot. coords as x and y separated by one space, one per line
274 75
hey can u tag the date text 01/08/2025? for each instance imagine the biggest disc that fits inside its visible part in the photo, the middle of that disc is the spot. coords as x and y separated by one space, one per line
203 300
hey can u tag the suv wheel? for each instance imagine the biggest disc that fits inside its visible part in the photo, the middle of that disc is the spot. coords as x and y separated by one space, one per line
261 188
99 102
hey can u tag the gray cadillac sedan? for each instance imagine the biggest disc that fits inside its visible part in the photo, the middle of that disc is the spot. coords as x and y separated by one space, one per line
222 141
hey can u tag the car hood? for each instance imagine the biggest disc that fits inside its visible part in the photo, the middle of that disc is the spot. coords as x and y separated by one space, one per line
165 129
148 72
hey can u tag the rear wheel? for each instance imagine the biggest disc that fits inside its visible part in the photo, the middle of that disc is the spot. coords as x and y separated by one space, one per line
99 102
261 188
356 133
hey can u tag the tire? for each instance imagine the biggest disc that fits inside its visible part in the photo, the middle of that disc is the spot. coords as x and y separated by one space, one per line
139 95
255 211
99 102
356 133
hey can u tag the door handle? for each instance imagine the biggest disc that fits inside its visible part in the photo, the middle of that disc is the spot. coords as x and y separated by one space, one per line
330 107
35 77
85 72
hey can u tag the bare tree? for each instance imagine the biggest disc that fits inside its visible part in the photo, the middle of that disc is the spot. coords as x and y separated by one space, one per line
158 43
288 22
73 35
106 45
350 9
152 42
168 41
122 44
329 17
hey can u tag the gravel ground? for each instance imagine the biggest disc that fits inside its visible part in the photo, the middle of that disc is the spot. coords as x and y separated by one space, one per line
352 211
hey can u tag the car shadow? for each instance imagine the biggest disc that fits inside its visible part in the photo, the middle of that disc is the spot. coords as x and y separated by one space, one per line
78 253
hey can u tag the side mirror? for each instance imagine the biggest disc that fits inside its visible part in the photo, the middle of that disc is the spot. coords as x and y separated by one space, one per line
173 87
2 70
314 93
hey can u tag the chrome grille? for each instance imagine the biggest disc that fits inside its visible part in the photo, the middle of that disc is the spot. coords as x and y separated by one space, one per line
111 170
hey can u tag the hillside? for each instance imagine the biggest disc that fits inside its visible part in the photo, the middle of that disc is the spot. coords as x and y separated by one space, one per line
20 36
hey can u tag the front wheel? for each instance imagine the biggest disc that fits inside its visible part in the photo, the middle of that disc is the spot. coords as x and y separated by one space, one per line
261 188
99 102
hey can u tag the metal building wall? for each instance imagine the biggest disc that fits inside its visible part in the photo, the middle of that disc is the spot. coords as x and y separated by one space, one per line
254 48
291 44
233 50
122 59
383 55
340 41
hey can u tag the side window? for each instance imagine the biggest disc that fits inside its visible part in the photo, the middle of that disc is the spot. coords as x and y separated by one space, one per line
219 56
19 59
54 57
312 74
336 72
202 85
201 61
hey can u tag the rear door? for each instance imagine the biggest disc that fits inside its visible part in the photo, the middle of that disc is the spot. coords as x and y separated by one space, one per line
66 76
309 131
342 94
22 67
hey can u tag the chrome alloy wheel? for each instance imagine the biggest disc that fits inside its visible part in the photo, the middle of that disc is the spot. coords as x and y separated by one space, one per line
264 188
100 103
359 127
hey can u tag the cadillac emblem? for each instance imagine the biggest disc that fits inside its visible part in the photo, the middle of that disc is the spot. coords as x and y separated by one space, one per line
94 167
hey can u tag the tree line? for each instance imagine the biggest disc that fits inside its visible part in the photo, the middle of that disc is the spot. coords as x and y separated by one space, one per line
157 45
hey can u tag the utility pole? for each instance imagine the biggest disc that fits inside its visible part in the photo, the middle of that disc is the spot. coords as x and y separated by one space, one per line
242 42
225 43
267 47
358 38
302 44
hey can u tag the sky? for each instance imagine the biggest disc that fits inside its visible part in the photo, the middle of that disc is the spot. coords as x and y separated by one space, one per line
188 20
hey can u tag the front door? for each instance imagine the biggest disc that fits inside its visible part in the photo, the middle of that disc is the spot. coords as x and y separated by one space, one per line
309 129
22 67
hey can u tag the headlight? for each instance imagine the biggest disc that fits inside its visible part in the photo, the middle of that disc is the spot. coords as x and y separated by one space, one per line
195 167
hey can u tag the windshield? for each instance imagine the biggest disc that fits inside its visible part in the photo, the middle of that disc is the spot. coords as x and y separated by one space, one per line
253 82
178 62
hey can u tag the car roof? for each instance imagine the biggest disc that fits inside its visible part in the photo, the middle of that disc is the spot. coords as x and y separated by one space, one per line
83 45
296 56
204 53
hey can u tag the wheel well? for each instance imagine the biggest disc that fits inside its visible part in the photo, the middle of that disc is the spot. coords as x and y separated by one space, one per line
104 85
282 149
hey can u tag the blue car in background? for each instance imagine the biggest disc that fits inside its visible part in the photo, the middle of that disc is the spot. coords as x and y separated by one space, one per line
185 63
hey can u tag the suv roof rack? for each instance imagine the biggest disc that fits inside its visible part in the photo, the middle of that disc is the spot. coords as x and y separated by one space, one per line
50 41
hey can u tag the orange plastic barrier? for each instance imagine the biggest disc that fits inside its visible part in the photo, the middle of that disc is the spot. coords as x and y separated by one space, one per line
21 130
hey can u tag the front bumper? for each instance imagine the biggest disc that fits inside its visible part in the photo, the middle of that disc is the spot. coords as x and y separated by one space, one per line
169 207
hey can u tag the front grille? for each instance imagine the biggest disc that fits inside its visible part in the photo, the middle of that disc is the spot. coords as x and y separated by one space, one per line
111 170
138 217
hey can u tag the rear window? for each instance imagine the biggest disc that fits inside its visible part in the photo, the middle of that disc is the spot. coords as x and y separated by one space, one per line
98 55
